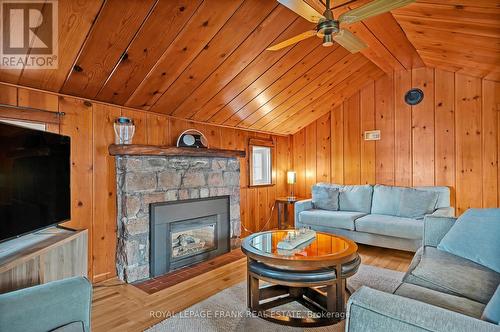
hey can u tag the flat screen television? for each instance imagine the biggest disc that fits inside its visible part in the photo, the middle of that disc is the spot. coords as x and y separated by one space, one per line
34 180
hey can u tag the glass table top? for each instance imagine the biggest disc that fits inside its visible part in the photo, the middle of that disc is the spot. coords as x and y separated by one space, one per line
322 245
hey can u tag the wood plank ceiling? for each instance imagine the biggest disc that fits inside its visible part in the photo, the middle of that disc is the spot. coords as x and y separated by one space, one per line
205 60
461 36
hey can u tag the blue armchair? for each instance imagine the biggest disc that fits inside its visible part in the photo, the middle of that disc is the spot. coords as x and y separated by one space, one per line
62 306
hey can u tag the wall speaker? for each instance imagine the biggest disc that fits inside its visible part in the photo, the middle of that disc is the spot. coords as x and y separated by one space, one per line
414 96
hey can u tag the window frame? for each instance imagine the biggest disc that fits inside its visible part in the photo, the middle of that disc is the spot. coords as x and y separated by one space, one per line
255 142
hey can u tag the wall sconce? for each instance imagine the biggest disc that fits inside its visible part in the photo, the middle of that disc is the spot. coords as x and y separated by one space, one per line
291 179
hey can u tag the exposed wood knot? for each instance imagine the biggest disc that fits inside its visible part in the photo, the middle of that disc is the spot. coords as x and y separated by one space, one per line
80 203
459 6
205 23
185 49
440 104
163 74
77 68
191 77
87 103
182 8
475 97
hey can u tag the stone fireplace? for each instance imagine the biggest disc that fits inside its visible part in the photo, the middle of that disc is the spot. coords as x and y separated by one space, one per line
151 183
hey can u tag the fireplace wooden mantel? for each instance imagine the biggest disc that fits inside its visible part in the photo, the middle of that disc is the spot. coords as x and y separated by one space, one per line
164 150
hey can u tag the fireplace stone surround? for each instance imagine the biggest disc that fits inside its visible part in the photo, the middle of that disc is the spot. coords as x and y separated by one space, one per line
144 180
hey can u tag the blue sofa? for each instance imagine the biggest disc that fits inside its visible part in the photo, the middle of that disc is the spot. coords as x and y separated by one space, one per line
375 215
58 306
440 292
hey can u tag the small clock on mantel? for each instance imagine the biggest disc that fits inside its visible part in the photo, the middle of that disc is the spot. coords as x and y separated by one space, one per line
192 138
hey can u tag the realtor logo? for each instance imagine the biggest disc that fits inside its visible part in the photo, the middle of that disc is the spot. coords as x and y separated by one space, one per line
29 32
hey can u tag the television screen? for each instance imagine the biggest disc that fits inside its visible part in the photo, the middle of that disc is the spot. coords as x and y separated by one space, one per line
34 180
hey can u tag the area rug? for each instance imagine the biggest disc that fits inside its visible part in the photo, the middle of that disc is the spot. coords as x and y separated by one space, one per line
226 311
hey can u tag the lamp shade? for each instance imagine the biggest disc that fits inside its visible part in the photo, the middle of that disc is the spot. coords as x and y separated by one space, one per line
291 177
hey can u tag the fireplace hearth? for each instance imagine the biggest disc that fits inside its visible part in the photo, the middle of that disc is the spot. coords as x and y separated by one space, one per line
187 232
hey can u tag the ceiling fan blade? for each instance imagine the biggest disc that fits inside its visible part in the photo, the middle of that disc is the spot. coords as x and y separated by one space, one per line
349 41
292 40
303 9
373 8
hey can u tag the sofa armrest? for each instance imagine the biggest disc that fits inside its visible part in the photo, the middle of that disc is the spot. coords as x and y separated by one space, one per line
300 206
443 212
372 310
47 306
435 228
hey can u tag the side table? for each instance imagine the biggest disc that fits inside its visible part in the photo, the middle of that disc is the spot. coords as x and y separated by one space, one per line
283 203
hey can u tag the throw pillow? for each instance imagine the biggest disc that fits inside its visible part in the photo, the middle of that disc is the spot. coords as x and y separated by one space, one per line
474 236
325 197
386 200
356 198
416 204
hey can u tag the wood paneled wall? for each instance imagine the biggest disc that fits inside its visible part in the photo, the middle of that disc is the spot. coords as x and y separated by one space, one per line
452 138
93 186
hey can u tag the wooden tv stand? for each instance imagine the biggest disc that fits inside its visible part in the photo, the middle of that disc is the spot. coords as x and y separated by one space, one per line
46 255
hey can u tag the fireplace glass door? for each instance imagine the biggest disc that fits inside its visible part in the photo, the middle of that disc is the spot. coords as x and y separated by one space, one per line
192 237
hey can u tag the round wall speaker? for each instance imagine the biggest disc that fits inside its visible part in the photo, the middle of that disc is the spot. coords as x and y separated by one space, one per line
414 96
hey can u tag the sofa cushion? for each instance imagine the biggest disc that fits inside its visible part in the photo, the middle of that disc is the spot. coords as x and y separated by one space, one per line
356 198
475 236
390 226
335 219
444 272
492 311
447 301
325 197
414 203
443 200
385 200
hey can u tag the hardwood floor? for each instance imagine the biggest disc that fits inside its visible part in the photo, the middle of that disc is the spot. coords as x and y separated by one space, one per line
122 307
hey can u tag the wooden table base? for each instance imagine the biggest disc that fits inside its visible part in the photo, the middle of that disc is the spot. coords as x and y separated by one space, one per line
325 303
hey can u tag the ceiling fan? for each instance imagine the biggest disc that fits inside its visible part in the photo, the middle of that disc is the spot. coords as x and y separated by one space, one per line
328 28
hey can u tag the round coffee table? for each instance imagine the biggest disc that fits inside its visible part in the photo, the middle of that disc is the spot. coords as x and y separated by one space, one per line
313 274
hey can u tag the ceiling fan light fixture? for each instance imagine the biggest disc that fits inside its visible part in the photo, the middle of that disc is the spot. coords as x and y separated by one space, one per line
327 40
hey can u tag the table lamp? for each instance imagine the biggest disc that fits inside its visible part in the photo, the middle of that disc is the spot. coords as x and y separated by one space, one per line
291 179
